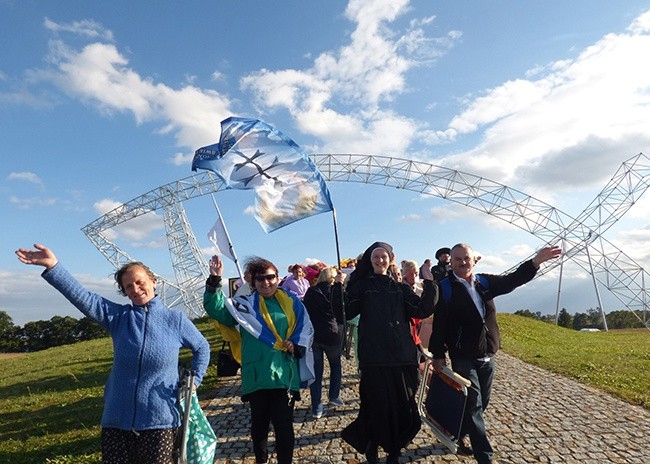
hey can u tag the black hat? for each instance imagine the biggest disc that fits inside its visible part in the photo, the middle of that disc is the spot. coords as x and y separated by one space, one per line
442 251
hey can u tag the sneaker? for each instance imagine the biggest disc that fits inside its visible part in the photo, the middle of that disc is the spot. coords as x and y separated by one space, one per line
319 412
465 447
336 403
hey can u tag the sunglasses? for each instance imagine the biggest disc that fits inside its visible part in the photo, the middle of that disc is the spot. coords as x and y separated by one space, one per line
268 277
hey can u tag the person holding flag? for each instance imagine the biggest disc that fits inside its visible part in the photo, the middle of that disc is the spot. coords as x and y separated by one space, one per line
276 338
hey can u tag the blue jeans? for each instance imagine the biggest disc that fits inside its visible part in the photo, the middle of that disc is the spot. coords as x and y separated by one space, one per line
481 374
333 353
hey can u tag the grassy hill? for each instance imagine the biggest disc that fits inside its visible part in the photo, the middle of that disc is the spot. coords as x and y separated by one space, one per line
617 362
51 401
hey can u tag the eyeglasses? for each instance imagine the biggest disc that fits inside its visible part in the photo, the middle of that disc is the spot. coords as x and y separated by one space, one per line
268 277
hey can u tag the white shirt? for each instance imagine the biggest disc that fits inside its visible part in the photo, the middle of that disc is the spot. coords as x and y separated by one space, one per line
474 295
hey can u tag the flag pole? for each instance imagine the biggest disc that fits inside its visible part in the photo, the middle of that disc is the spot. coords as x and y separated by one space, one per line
344 339
232 249
336 238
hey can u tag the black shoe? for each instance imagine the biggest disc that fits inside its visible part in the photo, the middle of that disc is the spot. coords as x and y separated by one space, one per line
393 458
464 447
372 454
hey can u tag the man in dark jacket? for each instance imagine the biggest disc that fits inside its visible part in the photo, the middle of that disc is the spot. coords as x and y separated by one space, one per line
466 326
441 269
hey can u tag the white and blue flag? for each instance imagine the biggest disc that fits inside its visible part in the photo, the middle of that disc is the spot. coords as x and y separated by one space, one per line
252 154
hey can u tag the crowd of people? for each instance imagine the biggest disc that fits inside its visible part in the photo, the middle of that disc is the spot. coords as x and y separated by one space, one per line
286 328
400 311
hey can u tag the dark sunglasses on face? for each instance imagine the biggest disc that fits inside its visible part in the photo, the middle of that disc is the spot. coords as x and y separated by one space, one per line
262 278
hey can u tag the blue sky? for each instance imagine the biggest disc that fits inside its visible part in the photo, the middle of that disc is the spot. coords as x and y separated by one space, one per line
103 101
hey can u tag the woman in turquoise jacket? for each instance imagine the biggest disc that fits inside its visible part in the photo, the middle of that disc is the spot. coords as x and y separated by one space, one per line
141 414
276 339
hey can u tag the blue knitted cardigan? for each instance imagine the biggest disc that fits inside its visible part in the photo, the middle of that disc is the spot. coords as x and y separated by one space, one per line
141 391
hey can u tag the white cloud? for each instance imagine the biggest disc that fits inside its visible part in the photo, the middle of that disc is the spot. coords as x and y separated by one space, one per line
410 218
182 159
137 230
26 176
99 74
454 212
593 109
26 203
85 28
641 24
366 73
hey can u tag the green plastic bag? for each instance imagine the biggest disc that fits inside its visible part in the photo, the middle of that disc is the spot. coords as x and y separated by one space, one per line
201 440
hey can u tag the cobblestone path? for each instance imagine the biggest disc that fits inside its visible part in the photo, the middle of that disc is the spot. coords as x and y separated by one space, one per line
534 417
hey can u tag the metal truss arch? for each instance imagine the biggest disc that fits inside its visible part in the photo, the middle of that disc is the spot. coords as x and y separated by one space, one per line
535 216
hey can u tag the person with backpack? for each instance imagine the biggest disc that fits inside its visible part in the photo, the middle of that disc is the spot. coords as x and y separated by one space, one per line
465 326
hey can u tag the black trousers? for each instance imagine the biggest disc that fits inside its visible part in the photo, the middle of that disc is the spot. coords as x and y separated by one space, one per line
272 406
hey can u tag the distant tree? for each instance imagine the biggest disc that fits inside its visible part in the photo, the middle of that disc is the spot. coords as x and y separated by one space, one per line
528 313
61 331
550 318
35 335
89 329
564 319
580 321
8 334
595 318
624 319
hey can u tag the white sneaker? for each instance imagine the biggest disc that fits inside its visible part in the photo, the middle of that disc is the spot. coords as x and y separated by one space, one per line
320 412
336 402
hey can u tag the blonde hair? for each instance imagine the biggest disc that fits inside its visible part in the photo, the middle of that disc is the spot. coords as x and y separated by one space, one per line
327 274
409 264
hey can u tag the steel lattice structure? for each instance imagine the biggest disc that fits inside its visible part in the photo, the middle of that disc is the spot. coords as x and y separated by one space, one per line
613 268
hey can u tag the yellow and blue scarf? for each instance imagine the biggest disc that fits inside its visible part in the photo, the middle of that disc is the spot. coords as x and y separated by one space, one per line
252 315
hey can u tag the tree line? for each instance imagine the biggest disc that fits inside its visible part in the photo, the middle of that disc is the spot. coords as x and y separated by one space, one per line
592 319
40 335
63 330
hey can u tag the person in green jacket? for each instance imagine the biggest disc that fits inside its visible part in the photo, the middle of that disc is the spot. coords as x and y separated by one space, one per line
276 339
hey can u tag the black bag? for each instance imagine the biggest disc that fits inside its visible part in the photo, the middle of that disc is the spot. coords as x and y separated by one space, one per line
227 365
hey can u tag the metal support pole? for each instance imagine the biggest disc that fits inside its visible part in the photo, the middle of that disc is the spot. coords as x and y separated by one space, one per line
593 276
559 287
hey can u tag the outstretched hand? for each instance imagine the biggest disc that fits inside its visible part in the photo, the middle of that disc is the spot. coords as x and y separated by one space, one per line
546 253
216 266
42 256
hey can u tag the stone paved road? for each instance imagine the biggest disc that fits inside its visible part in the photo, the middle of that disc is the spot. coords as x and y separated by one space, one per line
534 417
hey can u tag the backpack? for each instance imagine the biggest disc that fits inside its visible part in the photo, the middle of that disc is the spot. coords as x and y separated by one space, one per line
445 286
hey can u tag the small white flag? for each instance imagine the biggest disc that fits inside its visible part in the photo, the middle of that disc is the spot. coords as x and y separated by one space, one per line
219 238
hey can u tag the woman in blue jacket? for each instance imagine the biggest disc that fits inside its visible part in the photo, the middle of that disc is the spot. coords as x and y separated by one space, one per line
141 415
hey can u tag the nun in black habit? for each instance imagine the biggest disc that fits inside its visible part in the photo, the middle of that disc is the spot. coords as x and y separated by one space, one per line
388 358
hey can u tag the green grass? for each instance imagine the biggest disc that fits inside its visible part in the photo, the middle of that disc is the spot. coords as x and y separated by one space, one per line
51 401
617 362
